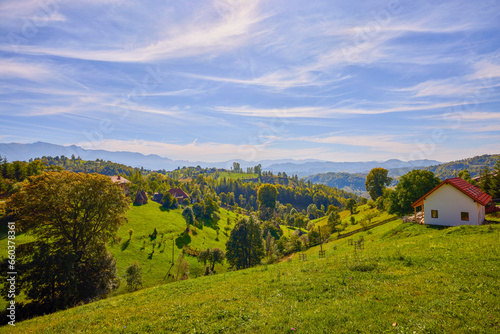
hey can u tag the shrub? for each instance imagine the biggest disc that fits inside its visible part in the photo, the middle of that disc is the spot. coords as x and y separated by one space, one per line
134 276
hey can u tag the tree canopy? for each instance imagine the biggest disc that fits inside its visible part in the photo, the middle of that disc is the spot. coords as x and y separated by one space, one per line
376 181
410 188
244 248
72 216
266 195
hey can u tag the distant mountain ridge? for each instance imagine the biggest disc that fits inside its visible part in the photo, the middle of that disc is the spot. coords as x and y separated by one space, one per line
312 168
24 152
355 182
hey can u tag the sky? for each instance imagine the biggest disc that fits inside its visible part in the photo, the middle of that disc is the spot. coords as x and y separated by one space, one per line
254 80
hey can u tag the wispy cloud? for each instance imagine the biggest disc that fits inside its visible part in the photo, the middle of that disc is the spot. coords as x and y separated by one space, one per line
14 69
222 28
384 143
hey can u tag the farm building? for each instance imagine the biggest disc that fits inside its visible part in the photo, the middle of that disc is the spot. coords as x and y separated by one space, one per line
453 202
158 197
141 198
122 182
179 194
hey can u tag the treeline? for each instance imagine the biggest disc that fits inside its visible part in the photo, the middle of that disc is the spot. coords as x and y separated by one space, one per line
11 173
475 166
77 165
354 182
243 193
416 183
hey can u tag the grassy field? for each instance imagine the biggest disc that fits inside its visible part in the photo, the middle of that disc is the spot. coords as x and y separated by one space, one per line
170 227
236 176
407 279
345 216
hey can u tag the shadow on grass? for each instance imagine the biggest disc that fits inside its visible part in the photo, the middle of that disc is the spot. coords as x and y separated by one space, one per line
162 208
211 223
125 245
183 239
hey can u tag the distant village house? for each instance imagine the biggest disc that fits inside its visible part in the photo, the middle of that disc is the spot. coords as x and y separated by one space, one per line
122 182
179 194
453 202
158 197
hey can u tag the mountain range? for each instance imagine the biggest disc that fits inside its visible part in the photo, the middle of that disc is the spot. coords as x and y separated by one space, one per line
25 152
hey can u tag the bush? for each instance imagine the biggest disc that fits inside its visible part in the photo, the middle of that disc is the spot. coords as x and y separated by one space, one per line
134 276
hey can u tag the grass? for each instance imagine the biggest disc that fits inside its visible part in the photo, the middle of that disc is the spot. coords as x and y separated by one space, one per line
171 234
237 176
143 220
361 211
408 279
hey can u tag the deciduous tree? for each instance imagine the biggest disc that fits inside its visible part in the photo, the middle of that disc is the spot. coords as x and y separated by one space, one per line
376 181
72 216
410 188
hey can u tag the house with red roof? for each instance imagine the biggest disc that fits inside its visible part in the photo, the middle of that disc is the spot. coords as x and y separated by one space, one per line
453 202
179 194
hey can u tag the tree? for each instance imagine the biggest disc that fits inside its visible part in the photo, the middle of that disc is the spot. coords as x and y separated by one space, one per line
410 188
188 215
312 210
134 276
72 216
244 248
169 201
465 175
367 219
212 256
266 195
376 181
495 181
333 220
351 205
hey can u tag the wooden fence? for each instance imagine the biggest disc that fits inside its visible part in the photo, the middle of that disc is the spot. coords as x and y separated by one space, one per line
348 234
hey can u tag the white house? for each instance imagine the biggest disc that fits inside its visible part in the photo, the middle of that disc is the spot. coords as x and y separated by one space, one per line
453 202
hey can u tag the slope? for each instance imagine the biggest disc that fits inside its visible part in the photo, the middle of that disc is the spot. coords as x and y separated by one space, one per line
408 279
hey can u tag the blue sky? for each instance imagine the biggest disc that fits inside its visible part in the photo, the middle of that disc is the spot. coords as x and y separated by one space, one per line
253 80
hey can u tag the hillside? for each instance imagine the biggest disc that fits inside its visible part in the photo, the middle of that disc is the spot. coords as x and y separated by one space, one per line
24 152
170 227
408 279
355 182
473 165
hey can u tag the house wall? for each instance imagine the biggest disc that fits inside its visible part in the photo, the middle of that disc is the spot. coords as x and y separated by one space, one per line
450 202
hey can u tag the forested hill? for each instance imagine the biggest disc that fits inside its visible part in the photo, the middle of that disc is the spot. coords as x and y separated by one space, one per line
354 183
77 165
473 165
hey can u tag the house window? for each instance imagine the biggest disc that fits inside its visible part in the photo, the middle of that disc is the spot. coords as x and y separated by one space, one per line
434 213
465 216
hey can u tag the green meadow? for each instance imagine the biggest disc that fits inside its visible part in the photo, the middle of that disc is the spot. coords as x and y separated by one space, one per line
407 279
236 176
171 237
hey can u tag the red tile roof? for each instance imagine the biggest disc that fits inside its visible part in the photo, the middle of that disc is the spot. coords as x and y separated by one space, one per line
178 193
468 189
